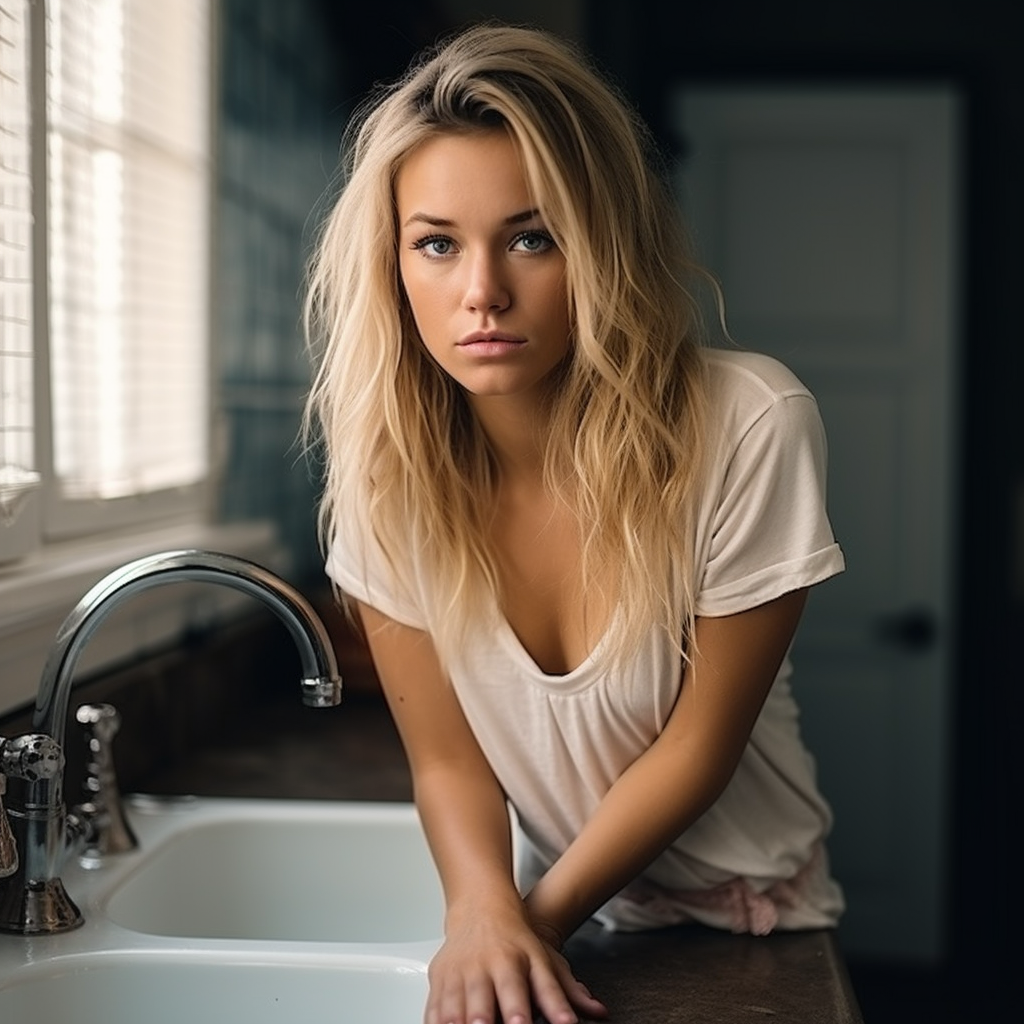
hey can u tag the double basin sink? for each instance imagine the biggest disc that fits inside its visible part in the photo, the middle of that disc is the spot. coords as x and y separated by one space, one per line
251 910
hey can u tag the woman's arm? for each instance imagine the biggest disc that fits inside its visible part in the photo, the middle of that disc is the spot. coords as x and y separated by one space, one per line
492 955
682 773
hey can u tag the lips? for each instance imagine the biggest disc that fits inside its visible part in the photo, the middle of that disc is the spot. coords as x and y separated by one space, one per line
490 338
490 343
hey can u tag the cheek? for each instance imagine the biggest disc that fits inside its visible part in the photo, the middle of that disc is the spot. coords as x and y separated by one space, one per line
556 304
424 301
417 294
426 310
425 292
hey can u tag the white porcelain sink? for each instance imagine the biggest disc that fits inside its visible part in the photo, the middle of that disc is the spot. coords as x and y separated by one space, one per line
241 910
215 988
306 872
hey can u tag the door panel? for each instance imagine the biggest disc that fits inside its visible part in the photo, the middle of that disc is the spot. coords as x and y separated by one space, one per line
829 215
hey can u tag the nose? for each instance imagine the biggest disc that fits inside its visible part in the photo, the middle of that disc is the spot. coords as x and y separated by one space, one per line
486 288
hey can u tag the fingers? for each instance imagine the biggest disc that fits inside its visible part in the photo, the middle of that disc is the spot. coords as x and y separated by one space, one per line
514 999
491 971
510 994
552 1000
567 996
477 997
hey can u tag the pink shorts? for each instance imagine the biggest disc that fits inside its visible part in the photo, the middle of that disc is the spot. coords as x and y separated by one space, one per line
811 899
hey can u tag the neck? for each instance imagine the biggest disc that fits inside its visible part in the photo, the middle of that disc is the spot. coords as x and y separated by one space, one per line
517 432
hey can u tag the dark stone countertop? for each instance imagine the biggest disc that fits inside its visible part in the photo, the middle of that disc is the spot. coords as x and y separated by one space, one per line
680 975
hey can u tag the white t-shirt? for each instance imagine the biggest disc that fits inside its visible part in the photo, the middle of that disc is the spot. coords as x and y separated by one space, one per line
755 859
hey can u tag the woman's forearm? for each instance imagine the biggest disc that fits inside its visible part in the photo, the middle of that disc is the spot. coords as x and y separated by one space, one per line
461 805
638 818
466 821
683 772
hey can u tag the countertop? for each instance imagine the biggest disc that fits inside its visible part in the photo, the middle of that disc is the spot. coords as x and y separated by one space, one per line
674 976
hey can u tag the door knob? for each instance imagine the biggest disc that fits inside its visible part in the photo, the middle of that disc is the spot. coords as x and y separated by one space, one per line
912 630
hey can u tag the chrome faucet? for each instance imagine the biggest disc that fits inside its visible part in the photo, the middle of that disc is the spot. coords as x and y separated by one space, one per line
32 896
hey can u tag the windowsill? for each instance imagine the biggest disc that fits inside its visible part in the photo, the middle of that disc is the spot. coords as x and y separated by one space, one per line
38 593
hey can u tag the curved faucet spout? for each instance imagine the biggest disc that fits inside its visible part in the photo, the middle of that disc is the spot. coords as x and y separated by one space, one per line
321 684
32 896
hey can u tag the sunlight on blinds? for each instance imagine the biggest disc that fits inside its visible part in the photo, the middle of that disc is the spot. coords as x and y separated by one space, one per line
128 208
17 457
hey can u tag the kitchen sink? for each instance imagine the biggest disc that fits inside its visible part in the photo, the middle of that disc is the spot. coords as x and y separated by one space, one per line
214 988
261 911
283 871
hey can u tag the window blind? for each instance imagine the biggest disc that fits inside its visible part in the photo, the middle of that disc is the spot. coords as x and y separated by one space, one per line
17 457
128 136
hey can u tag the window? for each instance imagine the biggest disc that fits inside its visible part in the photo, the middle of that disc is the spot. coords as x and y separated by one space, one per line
18 475
104 419
105 183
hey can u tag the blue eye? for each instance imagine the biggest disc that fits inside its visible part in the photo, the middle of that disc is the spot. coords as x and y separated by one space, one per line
435 245
533 242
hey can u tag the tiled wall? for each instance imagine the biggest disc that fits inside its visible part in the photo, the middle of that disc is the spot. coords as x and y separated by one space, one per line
280 117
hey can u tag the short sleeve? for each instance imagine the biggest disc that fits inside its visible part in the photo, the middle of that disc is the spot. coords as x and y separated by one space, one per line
769 531
358 566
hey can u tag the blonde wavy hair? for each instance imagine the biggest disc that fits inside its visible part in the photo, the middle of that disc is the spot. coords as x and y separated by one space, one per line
627 426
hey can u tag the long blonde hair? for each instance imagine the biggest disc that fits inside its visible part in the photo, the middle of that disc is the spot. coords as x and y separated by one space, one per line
628 421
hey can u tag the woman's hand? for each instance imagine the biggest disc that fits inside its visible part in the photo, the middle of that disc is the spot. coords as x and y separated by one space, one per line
497 965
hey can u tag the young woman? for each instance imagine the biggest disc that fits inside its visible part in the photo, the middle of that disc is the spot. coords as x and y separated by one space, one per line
578 537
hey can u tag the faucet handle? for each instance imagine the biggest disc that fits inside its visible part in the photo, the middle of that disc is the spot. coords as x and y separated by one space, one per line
107 830
32 757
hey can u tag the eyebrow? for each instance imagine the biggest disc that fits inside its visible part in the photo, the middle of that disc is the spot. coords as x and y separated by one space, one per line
443 222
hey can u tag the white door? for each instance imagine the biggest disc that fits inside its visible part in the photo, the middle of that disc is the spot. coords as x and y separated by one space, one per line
829 216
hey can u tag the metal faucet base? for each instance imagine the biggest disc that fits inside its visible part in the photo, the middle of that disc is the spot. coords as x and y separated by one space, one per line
38 908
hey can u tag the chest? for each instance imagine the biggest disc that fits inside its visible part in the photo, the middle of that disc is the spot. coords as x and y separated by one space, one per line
557 617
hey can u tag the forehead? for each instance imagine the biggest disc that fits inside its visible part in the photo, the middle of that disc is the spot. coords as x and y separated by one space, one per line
463 174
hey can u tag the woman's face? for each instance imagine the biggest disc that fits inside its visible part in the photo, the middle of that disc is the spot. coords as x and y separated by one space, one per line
483 276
